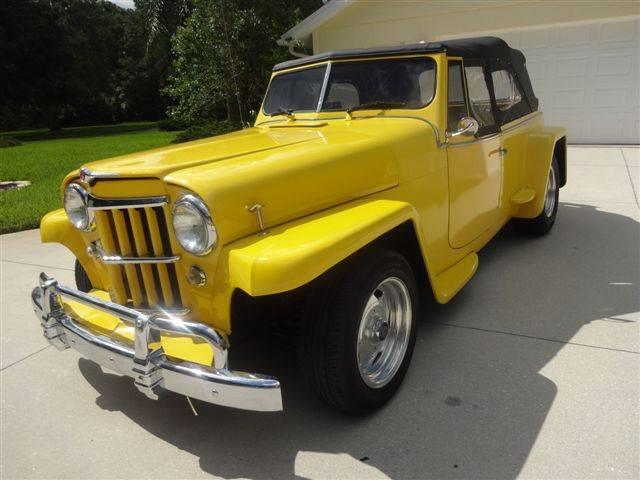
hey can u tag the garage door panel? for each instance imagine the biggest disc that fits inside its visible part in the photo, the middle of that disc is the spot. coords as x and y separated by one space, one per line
573 36
616 32
539 69
611 98
565 98
614 64
587 78
571 67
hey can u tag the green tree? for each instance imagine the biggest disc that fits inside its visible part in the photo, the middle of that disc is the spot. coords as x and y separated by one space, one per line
223 55
70 62
162 18
32 69
141 72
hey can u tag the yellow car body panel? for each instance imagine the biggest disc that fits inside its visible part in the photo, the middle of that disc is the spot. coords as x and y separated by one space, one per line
294 254
538 149
330 184
56 228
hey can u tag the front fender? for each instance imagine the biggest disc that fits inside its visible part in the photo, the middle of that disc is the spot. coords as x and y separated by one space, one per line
56 228
293 254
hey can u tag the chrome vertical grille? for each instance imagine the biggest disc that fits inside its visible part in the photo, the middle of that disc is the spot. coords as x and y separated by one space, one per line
137 251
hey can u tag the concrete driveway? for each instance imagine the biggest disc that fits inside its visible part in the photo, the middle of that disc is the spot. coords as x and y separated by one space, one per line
532 372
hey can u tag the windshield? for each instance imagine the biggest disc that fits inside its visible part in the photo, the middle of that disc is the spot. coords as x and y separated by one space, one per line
393 83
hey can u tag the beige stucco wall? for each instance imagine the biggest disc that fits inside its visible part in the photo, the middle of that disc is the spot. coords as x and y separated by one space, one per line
370 23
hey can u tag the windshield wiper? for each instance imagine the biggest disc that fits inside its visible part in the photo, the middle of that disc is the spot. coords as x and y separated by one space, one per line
376 104
282 111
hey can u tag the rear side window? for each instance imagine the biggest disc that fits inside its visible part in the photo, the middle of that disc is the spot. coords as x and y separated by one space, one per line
510 99
479 98
506 91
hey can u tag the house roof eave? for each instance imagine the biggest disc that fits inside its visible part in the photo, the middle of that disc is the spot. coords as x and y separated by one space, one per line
301 33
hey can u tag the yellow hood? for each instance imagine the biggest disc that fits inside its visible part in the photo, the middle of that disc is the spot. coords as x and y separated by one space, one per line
293 169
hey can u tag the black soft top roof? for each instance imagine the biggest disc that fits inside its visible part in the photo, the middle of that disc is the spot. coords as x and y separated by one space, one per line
465 47
490 51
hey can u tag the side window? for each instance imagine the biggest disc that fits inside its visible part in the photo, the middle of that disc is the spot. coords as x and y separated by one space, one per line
479 98
456 104
505 89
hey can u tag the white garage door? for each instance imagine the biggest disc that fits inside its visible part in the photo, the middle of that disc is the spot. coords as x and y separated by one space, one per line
587 77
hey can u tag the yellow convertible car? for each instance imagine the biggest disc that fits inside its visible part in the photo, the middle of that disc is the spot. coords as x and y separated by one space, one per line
369 176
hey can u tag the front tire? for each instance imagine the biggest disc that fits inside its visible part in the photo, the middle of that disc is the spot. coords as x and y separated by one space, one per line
542 224
357 345
82 279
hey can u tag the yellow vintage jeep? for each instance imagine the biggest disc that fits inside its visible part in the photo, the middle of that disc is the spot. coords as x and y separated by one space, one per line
370 176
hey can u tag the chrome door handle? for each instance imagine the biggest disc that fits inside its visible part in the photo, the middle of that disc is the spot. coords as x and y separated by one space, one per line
500 151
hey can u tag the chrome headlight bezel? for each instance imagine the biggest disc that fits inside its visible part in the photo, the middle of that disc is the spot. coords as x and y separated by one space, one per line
86 221
190 204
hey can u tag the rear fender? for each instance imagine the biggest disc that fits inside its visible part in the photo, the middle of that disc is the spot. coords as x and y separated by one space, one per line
539 150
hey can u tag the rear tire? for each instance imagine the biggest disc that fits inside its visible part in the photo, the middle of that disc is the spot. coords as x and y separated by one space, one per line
356 345
542 224
82 279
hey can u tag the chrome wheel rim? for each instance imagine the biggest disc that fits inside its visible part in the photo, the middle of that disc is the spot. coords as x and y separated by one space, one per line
385 329
550 200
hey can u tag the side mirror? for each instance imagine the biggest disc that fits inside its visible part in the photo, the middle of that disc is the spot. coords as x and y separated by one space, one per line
467 127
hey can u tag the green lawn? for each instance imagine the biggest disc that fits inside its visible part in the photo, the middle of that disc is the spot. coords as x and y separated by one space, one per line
46 157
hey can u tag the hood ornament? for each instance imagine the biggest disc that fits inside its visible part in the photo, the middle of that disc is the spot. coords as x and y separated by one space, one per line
89 178
257 209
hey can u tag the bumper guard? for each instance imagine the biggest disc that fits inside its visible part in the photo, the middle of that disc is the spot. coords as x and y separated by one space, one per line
152 371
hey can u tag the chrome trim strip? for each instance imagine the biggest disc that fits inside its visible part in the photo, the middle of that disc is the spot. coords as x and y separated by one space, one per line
152 371
88 177
323 89
97 203
96 252
118 260
523 119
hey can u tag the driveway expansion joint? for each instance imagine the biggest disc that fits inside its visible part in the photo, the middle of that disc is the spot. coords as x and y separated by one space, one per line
24 358
626 164
35 265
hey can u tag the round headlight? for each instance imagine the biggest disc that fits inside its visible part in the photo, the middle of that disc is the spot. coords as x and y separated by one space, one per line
75 204
193 226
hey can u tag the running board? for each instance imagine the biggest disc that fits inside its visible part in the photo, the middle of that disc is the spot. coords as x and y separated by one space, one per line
455 277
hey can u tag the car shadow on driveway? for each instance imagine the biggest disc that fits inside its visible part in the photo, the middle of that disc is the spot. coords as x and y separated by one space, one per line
474 400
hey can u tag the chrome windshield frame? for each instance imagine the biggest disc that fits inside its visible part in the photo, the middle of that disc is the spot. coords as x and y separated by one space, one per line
323 89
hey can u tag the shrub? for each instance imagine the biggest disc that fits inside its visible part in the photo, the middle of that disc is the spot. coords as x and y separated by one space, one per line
204 130
171 125
9 142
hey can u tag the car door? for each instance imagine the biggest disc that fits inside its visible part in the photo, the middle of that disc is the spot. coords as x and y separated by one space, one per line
515 122
475 163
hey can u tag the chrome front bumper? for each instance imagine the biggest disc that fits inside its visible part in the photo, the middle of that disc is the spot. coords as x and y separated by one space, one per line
152 371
